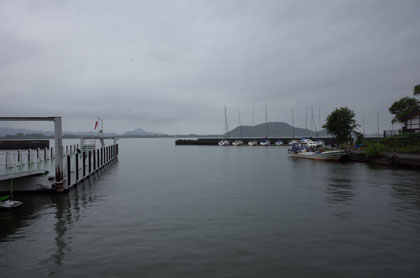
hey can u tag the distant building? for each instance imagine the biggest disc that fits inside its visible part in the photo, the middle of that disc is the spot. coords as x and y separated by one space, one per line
412 122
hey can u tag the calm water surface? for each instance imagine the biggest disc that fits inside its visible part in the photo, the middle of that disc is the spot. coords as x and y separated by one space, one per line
206 211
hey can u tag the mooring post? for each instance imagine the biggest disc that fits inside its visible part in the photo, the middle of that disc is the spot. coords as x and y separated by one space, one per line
94 160
90 162
77 166
84 164
68 172
58 136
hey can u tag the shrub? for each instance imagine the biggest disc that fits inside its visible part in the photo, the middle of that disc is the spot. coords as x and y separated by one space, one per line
374 149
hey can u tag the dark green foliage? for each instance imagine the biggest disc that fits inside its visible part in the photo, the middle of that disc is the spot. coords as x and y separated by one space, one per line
404 143
416 90
374 149
403 107
341 124
360 138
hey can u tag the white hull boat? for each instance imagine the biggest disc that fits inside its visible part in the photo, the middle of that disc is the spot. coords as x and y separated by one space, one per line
301 149
327 155
8 204
279 143
265 142
224 143
237 143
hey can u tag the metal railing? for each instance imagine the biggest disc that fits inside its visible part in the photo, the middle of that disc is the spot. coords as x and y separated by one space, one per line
21 161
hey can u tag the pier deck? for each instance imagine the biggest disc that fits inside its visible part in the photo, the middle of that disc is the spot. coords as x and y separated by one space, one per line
34 170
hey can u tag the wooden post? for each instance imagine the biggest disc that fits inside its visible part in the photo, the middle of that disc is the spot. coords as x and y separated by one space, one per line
90 162
77 166
84 164
29 156
19 156
68 172
97 159
94 160
58 143
45 154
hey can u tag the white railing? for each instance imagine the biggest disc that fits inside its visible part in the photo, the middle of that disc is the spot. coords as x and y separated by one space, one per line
18 161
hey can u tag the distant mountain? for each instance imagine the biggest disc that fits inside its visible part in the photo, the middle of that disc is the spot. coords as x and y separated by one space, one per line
140 132
13 131
275 129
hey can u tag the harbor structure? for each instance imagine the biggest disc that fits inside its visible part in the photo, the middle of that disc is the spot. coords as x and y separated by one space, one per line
55 169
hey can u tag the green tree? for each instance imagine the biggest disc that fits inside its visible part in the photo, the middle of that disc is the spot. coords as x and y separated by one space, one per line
416 90
403 107
341 124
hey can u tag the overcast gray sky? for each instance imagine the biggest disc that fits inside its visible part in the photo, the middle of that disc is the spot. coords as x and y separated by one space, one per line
171 66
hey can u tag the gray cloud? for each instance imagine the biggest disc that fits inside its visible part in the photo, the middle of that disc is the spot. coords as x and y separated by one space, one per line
171 66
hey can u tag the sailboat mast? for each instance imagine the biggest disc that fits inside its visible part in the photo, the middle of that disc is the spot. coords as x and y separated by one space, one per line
253 122
293 125
240 128
266 121
306 118
312 119
226 124
319 117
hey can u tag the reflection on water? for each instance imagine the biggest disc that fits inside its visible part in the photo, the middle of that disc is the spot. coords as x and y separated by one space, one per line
240 212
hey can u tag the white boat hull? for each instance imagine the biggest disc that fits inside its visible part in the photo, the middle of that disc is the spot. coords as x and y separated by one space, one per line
224 143
8 204
327 155
237 143
265 143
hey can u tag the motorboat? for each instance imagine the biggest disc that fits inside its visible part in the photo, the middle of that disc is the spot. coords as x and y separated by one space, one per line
6 203
301 149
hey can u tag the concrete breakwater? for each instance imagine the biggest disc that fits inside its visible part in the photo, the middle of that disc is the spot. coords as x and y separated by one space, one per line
385 158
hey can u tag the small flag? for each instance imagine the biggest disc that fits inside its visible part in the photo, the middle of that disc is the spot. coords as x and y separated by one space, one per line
96 125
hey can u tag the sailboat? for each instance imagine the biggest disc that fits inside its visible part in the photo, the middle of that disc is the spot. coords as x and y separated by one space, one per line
253 142
225 141
239 142
265 142
293 141
7 202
